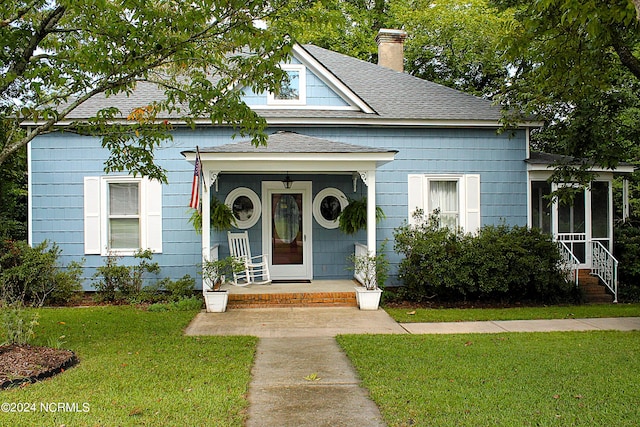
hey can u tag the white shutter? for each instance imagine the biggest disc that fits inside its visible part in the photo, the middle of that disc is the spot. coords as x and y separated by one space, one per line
415 195
153 219
472 203
92 218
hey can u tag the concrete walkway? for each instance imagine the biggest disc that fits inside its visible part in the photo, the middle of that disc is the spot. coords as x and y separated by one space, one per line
301 377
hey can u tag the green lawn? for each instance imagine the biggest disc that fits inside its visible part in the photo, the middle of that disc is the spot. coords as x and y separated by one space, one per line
533 379
410 315
136 368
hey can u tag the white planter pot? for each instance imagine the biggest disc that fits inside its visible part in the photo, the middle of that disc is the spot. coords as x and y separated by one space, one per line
368 299
216 301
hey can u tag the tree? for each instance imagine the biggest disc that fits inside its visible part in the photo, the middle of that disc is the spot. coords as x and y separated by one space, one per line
457 43
58 54
575 66
13 194
345 26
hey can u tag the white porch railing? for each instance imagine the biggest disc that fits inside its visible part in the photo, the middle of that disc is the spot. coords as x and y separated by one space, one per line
569 261
605 266
360 250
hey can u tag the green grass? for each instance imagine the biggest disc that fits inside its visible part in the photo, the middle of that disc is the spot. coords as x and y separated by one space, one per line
517 313
529 379
136 368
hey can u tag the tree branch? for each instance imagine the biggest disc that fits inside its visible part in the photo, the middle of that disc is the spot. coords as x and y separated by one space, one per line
626 55
20 64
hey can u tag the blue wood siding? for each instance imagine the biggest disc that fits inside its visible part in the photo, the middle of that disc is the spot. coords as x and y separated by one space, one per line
60 161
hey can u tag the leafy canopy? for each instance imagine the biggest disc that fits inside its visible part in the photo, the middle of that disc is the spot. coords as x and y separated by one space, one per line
575 65
60 54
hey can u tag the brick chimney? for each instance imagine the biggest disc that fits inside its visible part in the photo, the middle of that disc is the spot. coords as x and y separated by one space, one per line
391 48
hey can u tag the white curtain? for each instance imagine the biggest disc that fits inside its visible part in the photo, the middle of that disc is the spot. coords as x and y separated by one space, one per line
443 195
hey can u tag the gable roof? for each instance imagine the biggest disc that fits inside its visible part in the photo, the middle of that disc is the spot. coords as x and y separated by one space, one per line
397 95
381 96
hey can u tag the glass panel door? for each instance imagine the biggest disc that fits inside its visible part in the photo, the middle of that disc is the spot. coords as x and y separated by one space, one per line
286 229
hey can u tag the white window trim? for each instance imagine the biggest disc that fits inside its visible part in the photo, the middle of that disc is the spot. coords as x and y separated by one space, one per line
104 203
257 207
96 215
302 80
317 203
468 199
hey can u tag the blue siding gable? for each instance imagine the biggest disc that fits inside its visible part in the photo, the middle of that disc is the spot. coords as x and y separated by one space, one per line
319 94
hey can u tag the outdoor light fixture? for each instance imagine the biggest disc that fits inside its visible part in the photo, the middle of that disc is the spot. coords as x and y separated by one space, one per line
287 181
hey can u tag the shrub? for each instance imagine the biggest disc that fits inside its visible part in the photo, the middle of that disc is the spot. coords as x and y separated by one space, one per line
33 275
627 252
498 263
120 282
18 323
181 288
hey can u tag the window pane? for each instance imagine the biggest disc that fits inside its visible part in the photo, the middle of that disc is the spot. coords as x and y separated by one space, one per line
290 90
123 198
124 233
443 195
540 209
600 209
571 216
330 208
242 208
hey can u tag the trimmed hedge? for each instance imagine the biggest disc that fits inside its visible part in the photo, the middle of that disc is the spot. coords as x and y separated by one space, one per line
499 263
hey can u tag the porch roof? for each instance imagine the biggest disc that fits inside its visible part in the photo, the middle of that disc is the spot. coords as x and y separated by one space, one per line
546 161
293 152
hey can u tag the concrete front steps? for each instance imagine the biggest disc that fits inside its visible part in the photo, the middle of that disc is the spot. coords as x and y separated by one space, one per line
592 289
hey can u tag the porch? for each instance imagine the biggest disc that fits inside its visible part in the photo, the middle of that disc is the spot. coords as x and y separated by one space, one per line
314 293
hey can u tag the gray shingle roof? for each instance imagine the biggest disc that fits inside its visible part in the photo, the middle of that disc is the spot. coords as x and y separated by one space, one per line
391 94
292 142
396 95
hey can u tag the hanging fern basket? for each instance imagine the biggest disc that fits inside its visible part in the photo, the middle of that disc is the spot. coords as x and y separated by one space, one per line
354 216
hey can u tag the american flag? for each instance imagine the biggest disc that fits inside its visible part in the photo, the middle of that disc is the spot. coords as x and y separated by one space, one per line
195 185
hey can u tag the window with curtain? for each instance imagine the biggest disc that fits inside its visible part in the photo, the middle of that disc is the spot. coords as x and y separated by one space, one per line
455 196
443 197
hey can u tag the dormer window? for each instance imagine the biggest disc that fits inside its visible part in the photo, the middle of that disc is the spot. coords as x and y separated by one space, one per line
293 91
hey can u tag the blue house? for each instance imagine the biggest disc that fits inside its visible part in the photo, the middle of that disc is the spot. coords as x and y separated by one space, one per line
343 129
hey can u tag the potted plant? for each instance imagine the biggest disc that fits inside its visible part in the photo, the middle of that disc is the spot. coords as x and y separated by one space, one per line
354 216
372 271
214 274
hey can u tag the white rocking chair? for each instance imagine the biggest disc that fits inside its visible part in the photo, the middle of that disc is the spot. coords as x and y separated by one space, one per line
255 267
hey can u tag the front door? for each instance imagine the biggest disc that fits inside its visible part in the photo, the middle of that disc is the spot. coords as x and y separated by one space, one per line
286 228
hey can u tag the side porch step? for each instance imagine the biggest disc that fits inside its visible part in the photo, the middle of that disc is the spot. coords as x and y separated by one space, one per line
593 290
293 299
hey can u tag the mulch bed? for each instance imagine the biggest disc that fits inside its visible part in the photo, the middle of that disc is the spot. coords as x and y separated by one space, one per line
20 364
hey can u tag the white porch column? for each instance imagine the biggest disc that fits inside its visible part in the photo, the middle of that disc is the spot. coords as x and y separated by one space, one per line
370 181
206 216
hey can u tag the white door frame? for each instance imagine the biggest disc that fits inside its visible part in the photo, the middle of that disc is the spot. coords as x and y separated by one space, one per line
293 272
